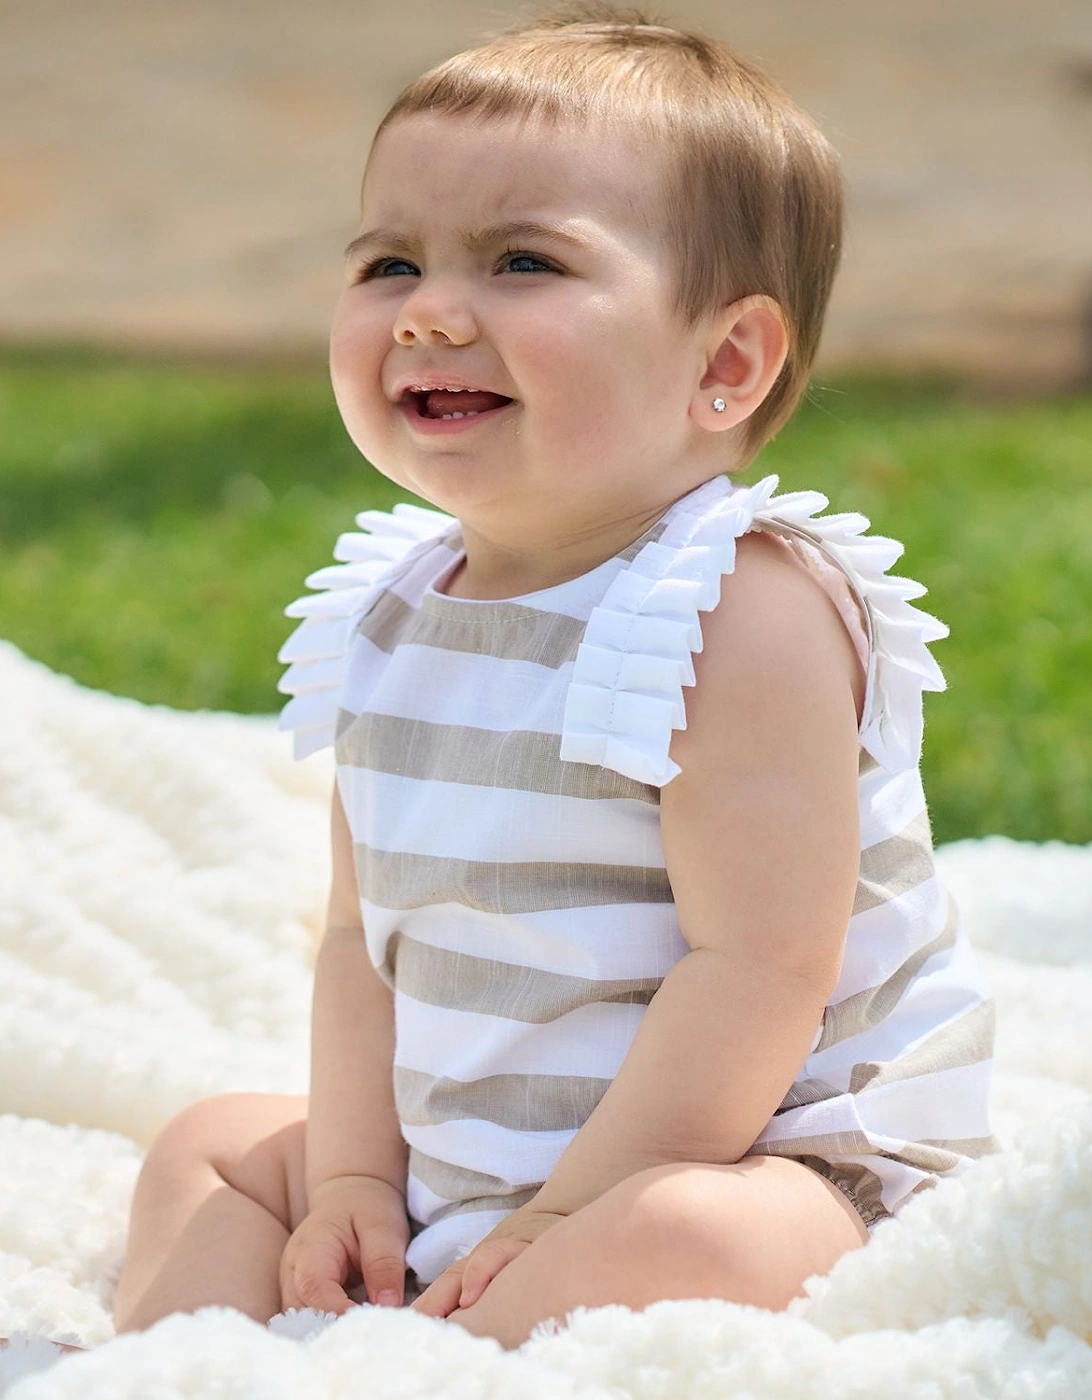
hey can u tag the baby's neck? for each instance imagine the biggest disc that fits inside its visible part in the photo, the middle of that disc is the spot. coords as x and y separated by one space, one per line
488 572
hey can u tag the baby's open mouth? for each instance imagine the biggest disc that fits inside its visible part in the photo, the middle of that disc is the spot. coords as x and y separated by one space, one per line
447 403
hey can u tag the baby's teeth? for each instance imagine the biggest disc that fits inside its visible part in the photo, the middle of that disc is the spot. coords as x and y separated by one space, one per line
470 413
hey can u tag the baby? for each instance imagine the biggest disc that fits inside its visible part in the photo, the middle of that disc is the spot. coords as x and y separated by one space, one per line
637 981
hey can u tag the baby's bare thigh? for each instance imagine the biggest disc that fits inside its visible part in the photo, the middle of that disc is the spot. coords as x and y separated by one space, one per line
255 1142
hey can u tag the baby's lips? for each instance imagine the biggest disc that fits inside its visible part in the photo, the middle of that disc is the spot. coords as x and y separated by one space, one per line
439 401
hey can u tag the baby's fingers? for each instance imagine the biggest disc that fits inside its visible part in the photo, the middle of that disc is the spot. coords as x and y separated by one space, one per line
382 1263
442 1295
313 1278
484 1265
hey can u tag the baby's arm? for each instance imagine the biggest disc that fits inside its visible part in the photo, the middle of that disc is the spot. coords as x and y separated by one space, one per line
352 1124
762 844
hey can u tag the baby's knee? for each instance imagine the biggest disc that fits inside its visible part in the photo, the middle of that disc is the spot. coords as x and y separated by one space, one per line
253 1142
210 1129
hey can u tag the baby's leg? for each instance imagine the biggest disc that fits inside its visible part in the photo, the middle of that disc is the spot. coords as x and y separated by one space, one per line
218 1195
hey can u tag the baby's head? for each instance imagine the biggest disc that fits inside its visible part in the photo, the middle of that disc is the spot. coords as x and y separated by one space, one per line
721 191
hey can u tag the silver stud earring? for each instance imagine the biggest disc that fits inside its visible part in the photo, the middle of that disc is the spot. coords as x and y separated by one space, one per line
719 405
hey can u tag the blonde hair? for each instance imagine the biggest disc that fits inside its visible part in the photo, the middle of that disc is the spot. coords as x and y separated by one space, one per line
751 198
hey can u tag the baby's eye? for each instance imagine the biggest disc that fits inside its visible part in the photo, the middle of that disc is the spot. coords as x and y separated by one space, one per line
378 267
381 266
529 257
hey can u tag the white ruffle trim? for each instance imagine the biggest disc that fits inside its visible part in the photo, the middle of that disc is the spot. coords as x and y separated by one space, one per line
626 697
317 652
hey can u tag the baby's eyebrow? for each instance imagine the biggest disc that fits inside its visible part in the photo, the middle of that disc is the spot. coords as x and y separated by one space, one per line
475 239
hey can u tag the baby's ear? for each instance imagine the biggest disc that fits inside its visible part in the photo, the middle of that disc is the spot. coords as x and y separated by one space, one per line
746 349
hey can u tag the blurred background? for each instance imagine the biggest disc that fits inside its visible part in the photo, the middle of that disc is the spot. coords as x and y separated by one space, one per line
177 182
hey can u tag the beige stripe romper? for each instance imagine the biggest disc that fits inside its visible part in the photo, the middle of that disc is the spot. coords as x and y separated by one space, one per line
500 763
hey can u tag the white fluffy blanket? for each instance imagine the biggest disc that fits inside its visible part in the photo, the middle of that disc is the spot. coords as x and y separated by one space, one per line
163 877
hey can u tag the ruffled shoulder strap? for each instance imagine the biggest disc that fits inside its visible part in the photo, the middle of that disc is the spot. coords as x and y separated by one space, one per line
317 652
625 697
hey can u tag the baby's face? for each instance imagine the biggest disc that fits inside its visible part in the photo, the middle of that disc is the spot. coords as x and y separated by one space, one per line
581 337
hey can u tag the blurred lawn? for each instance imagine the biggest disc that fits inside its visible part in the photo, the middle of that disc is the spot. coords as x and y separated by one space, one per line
155 520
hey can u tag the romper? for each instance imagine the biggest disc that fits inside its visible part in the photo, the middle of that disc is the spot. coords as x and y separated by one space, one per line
500 763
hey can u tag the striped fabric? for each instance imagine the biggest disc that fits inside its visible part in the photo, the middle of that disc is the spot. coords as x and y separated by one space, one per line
517 903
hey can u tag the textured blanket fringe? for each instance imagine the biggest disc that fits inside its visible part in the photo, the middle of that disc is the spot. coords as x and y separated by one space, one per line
301 1324
28 1352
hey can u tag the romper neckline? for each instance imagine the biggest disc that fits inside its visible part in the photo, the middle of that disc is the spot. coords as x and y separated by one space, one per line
522 607
639 614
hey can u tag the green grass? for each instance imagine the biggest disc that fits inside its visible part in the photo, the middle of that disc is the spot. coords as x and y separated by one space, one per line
155 519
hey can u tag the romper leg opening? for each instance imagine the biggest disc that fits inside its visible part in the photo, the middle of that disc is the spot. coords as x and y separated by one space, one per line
869 1213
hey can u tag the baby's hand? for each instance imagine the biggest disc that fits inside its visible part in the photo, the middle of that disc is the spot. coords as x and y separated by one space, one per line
463 1282
355 1223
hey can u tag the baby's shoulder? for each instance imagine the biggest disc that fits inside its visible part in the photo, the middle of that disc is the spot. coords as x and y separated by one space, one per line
851 566
776 659
799 608
768 601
